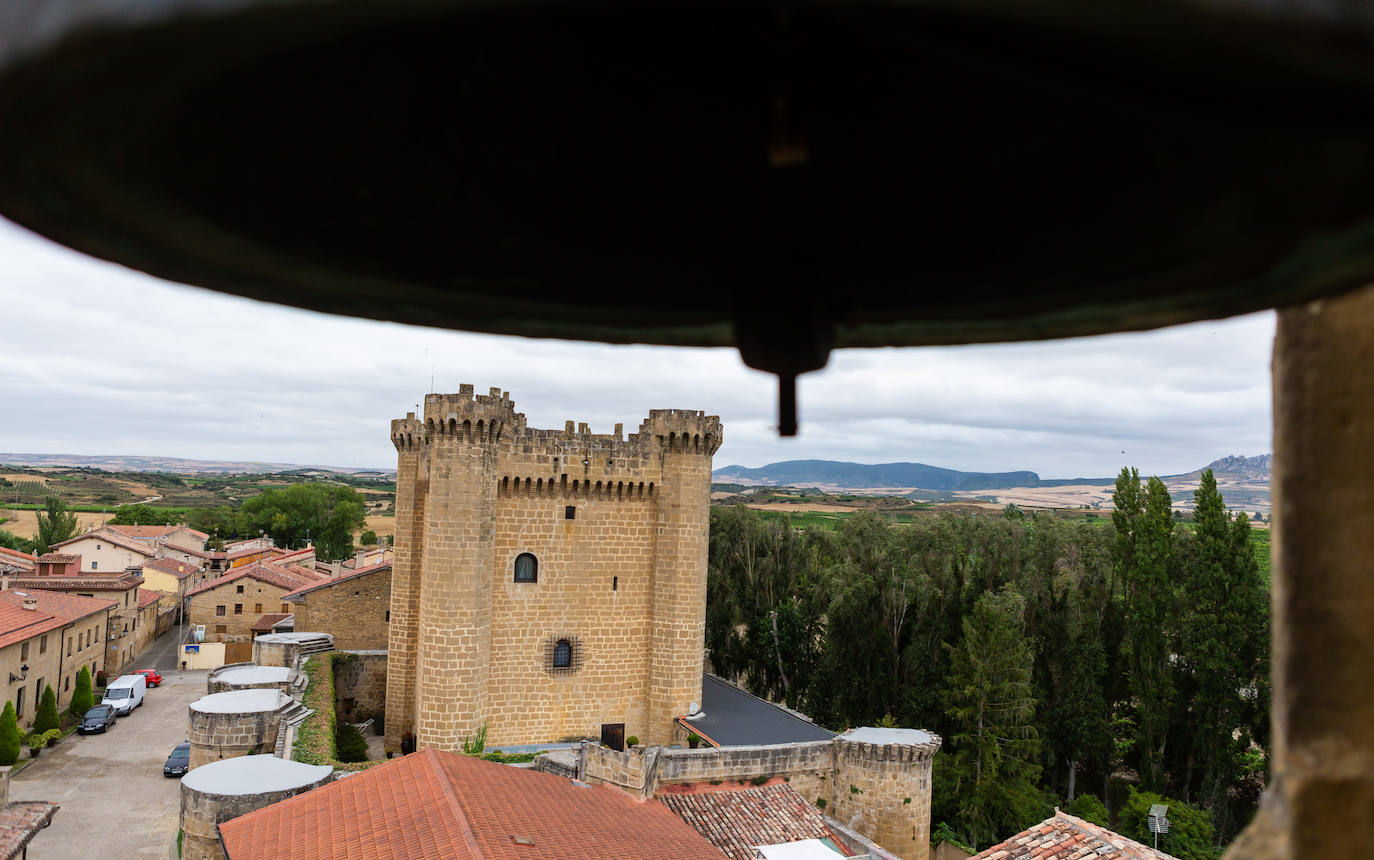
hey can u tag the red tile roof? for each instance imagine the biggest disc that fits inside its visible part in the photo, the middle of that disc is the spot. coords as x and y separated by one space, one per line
79 582
268 621
315 586
198 553
736 820
179 569
1064 837
439 804
20 821
141 532
260 572
54 610
58 558
148 598
7 553
112 538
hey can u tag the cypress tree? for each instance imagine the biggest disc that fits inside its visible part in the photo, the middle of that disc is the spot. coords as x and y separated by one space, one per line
9 735
46 718
82 698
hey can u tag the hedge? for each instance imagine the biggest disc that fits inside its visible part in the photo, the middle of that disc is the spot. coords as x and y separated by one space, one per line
316 735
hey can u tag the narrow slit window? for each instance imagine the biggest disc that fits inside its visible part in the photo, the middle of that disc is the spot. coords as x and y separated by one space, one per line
526 568
615 583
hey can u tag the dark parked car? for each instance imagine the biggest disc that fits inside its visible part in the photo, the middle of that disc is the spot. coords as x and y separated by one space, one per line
178 761
97 719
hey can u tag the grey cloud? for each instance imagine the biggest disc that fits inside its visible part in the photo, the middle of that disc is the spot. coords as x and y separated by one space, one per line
98 359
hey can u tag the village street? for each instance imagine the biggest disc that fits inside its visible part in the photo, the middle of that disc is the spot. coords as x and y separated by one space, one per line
115 802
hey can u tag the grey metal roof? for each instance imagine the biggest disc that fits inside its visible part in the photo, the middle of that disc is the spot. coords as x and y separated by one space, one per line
734 718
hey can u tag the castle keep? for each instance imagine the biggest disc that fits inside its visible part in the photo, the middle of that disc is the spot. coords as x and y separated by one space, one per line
547 583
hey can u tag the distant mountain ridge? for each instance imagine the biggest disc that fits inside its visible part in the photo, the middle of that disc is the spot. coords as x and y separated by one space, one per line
176 465
839 474
863 475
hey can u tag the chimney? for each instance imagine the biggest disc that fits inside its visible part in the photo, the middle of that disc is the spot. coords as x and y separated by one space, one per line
4 787
5 580
31 603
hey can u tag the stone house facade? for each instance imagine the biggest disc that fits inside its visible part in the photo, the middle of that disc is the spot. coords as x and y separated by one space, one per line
230 605
45 639
355 608
102 552
546 583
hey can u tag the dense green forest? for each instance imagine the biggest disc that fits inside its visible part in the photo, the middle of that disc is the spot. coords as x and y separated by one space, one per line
1063 663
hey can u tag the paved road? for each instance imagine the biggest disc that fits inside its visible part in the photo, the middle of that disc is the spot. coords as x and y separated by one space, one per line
115 802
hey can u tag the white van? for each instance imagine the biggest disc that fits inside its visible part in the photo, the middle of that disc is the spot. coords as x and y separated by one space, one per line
125 693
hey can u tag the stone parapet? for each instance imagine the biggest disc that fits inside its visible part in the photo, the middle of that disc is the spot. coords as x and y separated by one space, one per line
249 676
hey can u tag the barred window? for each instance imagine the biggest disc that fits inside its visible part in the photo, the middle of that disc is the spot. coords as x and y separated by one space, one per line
526 568
562 654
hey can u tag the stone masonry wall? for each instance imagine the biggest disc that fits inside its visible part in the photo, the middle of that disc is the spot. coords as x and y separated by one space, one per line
623 580
202 813
353 611
216 736
235 626
359 684
883 792
809 767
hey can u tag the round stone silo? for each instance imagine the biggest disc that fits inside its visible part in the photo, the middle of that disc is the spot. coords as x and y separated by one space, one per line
226 789
246 676
237 723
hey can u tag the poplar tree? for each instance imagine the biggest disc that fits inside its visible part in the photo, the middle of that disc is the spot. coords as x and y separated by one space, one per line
995 746
55 524
1144 562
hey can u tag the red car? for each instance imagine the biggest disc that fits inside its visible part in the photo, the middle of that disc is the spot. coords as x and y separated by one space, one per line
154 678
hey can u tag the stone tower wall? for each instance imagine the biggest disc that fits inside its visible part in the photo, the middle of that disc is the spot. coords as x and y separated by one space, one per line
883 792
686 441
411 486
202 812
624 580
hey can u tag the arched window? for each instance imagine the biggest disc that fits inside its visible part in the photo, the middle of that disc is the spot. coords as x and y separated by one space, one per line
562 654
526 568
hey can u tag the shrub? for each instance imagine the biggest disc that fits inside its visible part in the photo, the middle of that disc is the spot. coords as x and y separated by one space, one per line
100 678
82 700
759 780
349 743
9 735
820 802
475 744
368 538
1089 808
632 740
46 718
1190 828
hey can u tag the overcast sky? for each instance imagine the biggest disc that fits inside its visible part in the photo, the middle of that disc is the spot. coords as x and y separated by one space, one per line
97 359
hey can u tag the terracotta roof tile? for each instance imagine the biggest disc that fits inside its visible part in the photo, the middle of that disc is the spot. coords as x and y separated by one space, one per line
79 582
267 621
736 820
179 569
314 586
261 572
1064 837
148 598
438 804
20 821
140 532
58 558
112 538
54 610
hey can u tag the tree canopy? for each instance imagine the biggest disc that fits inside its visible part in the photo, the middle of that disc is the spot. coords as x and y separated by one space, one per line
324 514
55 524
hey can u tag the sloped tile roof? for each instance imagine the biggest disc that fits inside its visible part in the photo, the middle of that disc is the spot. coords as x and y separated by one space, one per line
20 821
1064 837
260 572
112 538
148 598
736 820
58 558
79 582
15 558
141 532
179 569
54 610
267 621
315 586
440 804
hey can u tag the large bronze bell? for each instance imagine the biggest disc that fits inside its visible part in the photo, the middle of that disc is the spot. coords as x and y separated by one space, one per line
783 178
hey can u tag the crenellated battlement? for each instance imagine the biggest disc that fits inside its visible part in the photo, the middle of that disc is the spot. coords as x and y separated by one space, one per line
491 418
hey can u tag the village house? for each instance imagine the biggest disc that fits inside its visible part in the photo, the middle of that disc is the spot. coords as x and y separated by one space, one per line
46 637
171 578
102 552
230 605
354 608
62 572
178 536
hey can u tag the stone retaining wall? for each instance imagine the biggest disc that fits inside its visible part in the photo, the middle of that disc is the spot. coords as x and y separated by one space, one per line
359 684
